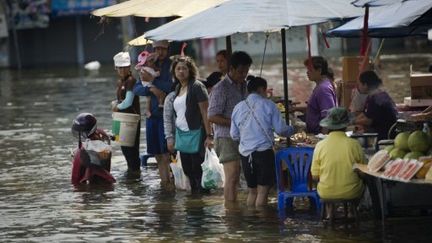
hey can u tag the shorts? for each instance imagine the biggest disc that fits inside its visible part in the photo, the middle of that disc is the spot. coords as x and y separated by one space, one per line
156 142
227 149
260 170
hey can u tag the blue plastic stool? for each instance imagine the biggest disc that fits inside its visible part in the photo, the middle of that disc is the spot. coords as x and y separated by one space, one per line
298 161
144 158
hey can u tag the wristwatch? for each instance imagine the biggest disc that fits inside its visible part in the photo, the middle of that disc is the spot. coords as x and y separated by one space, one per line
210 136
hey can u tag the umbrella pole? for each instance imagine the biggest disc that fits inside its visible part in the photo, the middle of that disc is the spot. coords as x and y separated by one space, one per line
285 75
228 45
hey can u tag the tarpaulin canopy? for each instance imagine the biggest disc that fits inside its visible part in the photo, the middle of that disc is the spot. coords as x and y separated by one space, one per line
239 16
408 18
156 8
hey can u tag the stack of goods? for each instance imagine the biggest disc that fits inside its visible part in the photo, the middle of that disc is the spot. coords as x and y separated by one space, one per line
402 169
378 160
409 157
410 145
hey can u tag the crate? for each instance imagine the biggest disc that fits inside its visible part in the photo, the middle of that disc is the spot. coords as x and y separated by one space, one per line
350 68
421 85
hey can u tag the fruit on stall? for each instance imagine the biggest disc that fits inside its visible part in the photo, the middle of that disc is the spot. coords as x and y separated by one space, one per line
418 141
397 153
427 163
413 155
401 140
389 148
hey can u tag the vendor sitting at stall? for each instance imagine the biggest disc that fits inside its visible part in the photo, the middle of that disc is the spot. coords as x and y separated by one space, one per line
380 110
334 170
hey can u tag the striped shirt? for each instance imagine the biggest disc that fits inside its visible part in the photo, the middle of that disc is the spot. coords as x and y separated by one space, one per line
225 95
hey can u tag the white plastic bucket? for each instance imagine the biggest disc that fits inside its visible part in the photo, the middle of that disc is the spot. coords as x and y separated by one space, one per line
125 126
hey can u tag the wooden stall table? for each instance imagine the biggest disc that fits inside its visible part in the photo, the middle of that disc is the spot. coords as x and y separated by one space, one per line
388 194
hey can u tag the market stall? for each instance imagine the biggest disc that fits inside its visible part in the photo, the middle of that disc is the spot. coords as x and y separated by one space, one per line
399 176
390 195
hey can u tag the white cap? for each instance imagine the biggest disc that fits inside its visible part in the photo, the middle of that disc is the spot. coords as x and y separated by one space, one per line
122 59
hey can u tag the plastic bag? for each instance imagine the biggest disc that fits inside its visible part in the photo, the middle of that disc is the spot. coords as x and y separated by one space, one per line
96 152
96 145
213 174
181 181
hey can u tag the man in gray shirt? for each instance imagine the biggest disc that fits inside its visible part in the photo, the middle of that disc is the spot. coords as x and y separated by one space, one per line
224 96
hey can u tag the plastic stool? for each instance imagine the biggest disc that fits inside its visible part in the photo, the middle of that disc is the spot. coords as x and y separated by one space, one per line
334 203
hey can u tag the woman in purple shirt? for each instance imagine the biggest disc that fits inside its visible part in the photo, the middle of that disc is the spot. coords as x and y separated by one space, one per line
323 97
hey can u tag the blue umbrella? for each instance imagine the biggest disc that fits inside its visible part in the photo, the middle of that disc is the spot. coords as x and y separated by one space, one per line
400 19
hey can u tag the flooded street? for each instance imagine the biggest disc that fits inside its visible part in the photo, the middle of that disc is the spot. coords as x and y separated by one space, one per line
38 203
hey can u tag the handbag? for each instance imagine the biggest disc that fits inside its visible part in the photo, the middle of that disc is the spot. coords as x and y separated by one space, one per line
188 141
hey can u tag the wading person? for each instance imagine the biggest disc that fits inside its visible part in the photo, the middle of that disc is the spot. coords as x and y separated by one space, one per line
127 102
225 95
252 124
161 86
192 128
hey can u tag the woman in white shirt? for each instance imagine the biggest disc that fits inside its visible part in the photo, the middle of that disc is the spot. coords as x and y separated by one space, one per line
192 126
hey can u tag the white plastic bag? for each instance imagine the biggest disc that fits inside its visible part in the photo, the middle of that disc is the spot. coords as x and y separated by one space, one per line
99 152
213 174
96 145
181 181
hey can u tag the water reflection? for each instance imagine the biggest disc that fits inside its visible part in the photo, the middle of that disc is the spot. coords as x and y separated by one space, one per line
38 203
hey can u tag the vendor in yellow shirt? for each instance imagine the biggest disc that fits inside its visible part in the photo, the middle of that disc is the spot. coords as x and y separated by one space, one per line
334 157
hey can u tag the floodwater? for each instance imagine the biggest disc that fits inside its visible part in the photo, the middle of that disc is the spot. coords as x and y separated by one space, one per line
38 203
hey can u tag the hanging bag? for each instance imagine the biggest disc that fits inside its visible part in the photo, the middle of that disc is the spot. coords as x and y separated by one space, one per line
213 176
188 141
181 180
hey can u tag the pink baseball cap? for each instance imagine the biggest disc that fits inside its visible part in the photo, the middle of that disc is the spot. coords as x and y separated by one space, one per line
144 57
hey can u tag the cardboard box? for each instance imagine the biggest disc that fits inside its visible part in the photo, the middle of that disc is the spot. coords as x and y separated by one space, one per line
421 85
350 68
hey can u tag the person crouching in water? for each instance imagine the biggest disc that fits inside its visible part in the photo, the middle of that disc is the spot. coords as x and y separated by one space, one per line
92 158
252 123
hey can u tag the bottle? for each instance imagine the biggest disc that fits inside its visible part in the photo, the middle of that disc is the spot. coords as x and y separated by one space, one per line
426 128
